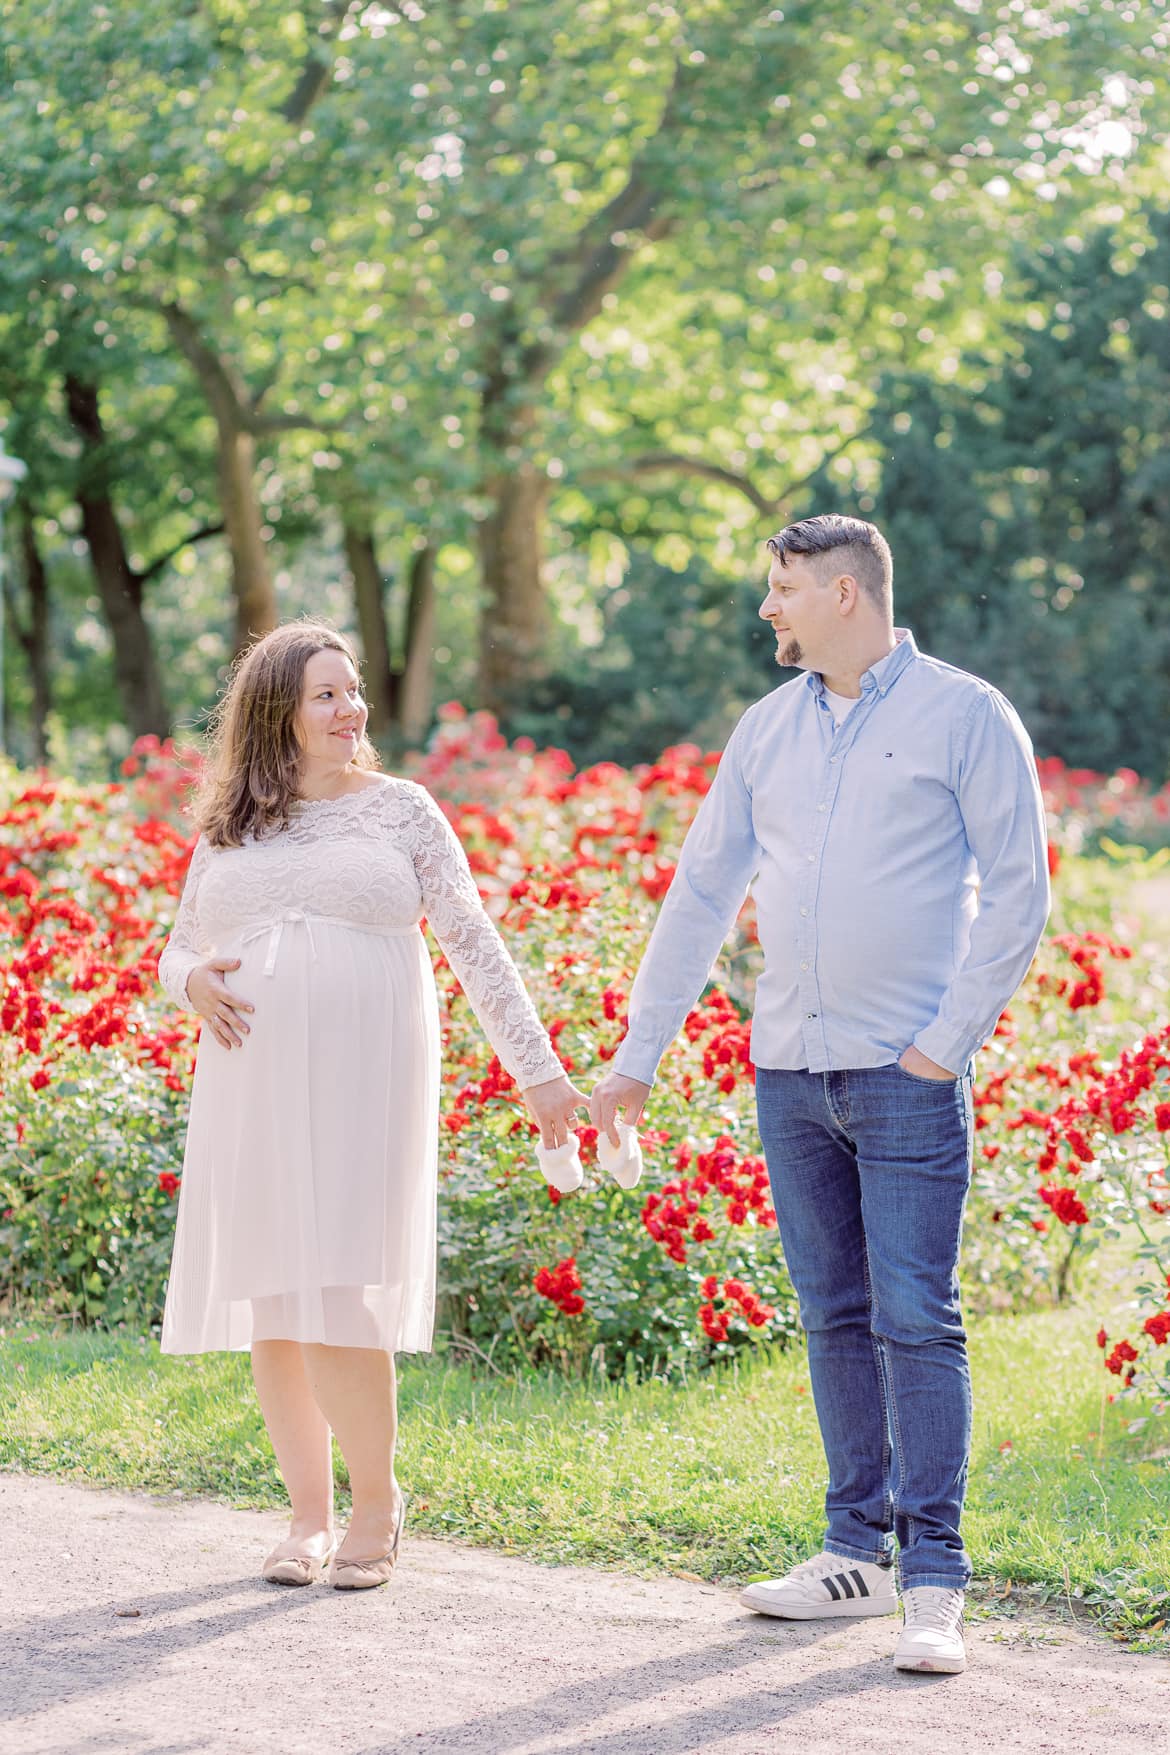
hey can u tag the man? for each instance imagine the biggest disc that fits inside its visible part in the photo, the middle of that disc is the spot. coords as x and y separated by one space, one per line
888 806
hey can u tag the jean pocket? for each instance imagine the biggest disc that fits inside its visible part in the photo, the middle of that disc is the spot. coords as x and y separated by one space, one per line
947 1084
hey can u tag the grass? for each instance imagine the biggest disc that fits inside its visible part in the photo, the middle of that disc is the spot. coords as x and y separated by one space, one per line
720 1477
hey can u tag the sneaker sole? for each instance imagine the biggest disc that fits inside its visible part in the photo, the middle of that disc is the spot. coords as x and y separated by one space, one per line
932 1666
855 1608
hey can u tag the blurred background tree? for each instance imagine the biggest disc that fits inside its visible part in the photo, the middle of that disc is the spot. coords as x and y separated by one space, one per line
1030 511
504 333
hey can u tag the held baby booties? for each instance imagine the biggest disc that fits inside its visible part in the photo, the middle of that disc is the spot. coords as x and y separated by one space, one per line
561 1165
624 1162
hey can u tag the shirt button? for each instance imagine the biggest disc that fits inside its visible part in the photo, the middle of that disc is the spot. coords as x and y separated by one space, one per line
804 965
820 807
804 911
811 1015
832 758
812 858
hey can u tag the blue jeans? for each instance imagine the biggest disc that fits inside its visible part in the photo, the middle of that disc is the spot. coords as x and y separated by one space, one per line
869 1172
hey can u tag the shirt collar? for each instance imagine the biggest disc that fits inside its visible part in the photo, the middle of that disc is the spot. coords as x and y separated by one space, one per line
880 676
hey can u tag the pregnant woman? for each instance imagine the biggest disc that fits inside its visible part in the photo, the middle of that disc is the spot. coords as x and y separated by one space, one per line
306 1225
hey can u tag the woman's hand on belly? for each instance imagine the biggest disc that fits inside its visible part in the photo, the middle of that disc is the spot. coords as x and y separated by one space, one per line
214 1000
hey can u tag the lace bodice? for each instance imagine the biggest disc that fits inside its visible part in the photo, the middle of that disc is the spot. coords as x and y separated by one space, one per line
381 857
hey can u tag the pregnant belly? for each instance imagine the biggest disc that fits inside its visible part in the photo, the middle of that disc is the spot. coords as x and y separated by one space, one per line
330 977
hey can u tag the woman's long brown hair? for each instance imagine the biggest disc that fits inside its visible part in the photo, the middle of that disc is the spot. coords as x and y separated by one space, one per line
252 778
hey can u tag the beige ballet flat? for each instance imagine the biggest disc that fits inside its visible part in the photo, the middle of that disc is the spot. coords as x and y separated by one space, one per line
297 1568
369 1574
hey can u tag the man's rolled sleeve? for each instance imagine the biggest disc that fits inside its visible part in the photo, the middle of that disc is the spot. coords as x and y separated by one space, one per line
718 860
1003 815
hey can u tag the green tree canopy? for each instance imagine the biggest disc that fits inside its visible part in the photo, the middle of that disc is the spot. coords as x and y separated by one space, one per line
538 283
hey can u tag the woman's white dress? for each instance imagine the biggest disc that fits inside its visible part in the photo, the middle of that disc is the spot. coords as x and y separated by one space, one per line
307 1208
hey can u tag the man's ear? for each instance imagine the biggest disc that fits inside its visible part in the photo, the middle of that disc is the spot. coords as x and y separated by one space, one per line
845 585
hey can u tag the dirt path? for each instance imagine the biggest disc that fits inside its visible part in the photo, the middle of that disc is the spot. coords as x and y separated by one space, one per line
475 1652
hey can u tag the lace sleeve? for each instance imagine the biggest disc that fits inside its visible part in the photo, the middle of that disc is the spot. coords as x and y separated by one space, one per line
475 949
186 949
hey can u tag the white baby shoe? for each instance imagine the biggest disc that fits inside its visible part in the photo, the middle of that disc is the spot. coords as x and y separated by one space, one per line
624 1162
561 1165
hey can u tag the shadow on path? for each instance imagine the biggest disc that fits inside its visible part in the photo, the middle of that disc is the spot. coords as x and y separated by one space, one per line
759 1706
55 1659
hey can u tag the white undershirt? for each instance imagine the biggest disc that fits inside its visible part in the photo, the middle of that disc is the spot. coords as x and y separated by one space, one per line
840 705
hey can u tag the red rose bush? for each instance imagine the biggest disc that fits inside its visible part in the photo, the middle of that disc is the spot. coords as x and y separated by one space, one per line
1072 1095
94 1065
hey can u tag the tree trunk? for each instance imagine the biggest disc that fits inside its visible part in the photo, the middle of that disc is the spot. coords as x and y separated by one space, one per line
577 280
515 618
228 401
362 560
252 581
118 585
35 637
417 683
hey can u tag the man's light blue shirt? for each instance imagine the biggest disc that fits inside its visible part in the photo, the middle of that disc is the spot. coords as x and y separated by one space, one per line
901 869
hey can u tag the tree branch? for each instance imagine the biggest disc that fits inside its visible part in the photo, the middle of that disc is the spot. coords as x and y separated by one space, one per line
223 388
200 535
943 159
315 71
230 398
291 423
677 463
578 277
600 260
311 81
269 382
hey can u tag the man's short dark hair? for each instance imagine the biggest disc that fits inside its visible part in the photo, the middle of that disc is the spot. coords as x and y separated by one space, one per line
857 547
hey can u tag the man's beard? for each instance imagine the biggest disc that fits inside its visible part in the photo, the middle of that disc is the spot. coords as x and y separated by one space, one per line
790 655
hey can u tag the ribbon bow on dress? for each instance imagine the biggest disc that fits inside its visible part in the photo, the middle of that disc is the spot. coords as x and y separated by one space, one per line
300 917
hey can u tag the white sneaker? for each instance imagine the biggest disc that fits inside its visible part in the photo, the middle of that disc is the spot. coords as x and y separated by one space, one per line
932 1637
827 1585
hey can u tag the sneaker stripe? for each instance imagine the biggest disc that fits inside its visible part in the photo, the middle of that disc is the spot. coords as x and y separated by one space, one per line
862 1587
832 1589
843 1580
